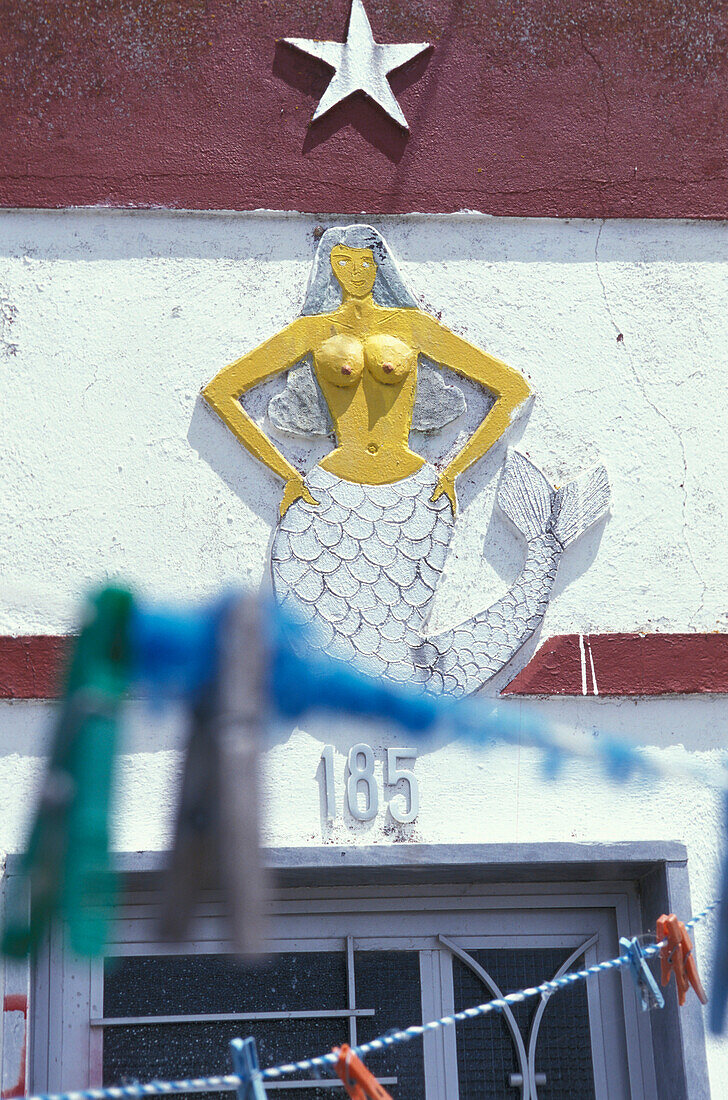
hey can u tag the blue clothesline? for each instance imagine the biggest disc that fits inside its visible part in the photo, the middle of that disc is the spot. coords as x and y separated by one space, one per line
174 654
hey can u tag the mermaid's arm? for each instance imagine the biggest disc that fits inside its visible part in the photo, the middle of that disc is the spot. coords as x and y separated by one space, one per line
508 386
223 395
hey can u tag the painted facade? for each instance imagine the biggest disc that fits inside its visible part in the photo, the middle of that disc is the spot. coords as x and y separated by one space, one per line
573 234
177 506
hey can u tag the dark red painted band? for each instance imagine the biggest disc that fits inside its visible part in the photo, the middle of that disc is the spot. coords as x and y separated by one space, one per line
568 664
541 107
31 667
626 664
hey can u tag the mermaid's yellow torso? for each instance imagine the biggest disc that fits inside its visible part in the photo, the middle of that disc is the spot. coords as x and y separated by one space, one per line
369 378
365 359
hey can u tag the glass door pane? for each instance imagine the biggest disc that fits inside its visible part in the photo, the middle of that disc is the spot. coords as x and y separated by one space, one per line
555 1040
152 1004
389 981
170 986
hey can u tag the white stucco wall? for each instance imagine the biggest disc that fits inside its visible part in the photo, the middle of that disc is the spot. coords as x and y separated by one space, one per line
111 322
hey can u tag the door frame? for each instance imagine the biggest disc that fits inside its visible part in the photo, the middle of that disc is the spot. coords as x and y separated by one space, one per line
429 919
656 872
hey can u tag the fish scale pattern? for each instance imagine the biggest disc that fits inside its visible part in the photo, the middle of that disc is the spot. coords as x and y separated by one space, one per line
475 651
362 566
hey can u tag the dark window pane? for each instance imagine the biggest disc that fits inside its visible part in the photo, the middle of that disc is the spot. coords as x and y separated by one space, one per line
173 985
171 1051
486 1051
389 982
166 985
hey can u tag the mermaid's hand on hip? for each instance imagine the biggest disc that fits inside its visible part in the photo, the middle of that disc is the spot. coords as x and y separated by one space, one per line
446 485
295 490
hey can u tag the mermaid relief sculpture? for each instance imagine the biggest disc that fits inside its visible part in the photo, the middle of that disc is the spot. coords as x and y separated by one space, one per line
363 537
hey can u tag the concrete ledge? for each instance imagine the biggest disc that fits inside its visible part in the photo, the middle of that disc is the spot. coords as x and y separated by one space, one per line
401 863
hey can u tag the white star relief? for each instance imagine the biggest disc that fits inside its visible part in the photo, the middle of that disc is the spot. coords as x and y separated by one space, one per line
360 64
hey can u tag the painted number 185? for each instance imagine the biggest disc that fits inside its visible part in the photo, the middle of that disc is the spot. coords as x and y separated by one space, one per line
361 793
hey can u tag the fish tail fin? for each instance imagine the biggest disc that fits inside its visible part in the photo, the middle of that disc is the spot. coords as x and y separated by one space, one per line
534 506
579 504
526 496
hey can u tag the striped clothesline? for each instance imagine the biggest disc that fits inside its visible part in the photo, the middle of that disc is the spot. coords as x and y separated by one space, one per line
383 1042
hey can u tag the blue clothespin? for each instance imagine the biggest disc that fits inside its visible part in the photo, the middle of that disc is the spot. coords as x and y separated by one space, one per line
647 987
245 1064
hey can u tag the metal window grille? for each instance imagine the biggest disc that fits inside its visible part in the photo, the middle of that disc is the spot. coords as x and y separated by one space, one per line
348 963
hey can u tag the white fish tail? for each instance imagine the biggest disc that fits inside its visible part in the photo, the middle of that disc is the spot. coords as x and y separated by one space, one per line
535 507
579 504
549 519
525 496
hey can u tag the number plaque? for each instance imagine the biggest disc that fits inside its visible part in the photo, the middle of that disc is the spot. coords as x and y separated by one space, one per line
361 792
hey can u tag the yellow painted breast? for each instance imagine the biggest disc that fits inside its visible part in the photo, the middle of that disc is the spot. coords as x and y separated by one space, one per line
388 359
340 360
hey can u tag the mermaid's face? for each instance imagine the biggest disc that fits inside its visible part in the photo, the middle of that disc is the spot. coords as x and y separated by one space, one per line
355 269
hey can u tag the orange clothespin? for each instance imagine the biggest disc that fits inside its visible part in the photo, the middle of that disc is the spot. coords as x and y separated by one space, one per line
359 1083
677 958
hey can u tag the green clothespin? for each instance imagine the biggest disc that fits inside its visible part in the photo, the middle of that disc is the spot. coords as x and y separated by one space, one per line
66 866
